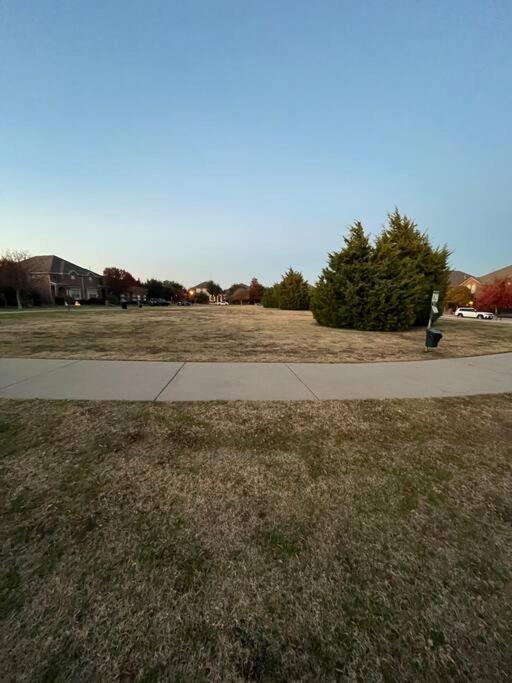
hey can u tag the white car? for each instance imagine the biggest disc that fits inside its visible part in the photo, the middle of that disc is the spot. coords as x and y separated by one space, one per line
465 312
222 303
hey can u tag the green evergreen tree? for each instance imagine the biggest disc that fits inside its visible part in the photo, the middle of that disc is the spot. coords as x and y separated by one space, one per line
340 297
293 292
430 263
270 298
396 286
385 287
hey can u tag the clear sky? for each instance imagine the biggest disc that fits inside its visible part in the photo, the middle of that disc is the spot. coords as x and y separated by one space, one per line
230 138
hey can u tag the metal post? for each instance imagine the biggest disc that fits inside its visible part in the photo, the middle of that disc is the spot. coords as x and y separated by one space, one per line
433 309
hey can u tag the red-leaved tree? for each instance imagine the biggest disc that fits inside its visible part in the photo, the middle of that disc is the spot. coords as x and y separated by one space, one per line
496 296
118 281
256 291
182 294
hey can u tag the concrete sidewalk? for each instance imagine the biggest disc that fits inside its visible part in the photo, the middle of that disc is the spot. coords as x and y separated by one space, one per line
162 381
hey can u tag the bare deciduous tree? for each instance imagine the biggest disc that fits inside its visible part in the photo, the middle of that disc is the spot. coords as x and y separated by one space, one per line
13 273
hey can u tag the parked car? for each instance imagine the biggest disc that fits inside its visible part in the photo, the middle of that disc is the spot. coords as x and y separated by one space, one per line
184 303
158 302
465 312
222 303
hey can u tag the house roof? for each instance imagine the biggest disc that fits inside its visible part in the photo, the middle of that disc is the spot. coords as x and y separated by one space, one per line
202 285
499 274
456 277
55 265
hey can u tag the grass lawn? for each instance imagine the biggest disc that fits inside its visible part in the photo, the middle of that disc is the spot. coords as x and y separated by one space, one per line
210 333
246 541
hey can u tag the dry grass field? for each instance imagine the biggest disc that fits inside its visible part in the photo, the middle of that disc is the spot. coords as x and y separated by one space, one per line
268 542
210 333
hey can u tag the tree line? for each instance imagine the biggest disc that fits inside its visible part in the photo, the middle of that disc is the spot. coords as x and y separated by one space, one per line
16 285
385 283
119 282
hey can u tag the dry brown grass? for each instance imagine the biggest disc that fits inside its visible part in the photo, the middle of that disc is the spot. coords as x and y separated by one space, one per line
276 542
209 333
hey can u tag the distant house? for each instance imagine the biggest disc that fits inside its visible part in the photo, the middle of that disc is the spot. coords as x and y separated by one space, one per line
53 277
203 287
458 278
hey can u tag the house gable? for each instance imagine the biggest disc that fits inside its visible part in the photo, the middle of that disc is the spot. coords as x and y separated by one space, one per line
457 277
472 283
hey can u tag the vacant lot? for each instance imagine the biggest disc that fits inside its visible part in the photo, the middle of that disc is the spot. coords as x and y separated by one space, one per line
367 541
209 333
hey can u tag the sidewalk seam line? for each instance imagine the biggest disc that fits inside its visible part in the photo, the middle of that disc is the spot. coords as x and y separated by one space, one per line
167 384
317 398
40 374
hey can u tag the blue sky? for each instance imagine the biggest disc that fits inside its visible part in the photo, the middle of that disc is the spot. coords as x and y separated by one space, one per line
221 139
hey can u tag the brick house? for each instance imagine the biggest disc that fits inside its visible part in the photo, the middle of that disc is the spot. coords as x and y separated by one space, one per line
459 278
53 277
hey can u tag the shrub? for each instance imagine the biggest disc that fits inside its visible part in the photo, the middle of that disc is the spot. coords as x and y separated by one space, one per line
293 292
202 298
270 298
